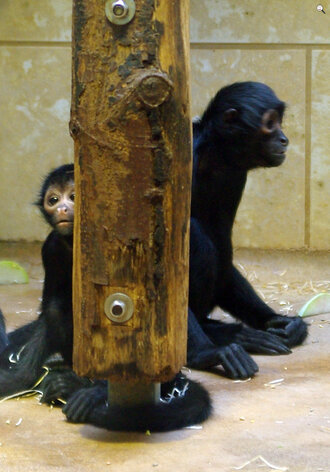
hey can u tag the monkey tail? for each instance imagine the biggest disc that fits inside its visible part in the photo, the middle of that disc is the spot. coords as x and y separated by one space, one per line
191 408
24 364
185 403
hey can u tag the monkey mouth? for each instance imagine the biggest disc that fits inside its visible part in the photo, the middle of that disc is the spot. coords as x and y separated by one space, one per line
64 227
64 223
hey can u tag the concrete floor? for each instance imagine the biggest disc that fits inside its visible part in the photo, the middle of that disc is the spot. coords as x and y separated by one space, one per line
287 423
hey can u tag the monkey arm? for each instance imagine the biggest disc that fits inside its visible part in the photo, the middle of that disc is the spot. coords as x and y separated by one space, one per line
56 304
57 263
203 354
241 301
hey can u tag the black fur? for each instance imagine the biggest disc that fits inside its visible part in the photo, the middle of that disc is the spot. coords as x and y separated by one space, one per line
3 336
184 402
52 331
229 140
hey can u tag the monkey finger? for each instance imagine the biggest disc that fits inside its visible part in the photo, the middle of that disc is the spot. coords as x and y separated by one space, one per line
272 345
205 359
277 322
293 325
251 365
82 411
75 407
53 387
281 333
237 363
262 342
83 402
297 332
274 348
267 348
51 395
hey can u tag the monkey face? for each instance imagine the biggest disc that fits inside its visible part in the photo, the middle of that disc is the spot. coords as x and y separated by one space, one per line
59 207
274 143
264 146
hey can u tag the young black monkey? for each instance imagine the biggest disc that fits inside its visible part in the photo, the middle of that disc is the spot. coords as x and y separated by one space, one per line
184 402
52 331
239 130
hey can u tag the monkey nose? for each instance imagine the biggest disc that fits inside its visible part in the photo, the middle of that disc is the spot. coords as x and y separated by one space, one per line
62 210
284 140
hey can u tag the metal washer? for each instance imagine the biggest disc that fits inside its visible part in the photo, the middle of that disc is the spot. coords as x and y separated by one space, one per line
124 301
117 20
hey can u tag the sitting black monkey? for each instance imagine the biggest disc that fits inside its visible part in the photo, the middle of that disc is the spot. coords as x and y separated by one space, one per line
239 130
184 402
52 331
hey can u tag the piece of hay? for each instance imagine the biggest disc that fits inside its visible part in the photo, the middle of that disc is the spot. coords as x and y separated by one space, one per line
272 466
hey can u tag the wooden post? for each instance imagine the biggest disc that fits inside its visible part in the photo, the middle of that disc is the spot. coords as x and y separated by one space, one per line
132 134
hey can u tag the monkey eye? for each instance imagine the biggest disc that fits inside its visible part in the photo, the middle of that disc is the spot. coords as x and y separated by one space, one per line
72 197
52 200
269 121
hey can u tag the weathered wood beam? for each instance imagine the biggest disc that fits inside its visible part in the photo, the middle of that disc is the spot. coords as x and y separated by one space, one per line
132 136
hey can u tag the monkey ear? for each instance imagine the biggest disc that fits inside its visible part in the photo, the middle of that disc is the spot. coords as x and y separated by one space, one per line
230 115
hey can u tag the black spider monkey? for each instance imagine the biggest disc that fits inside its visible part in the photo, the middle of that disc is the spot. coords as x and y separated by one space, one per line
239 130
52 331
183 401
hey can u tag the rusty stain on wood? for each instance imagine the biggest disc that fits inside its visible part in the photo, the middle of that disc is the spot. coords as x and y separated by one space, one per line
131 127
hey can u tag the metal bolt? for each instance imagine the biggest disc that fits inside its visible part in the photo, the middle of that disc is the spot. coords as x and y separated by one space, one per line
120 12
119 8
119 307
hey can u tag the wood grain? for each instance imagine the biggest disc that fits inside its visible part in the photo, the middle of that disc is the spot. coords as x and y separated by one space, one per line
131 128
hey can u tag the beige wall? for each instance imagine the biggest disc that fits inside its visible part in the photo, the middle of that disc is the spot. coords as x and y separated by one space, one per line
284 43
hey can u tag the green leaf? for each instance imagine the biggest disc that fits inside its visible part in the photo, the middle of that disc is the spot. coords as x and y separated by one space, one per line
318 304
12 273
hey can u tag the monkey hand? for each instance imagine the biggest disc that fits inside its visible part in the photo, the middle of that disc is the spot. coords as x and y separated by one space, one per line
235 361
261 342
81 403
60 384
291 330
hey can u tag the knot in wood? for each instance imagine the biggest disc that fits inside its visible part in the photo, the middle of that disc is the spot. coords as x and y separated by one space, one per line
153 90
74 128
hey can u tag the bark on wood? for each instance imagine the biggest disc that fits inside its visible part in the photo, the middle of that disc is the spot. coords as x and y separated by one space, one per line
131 127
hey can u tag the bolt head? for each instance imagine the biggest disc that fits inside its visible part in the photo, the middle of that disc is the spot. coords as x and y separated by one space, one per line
120 9
120 12
118 308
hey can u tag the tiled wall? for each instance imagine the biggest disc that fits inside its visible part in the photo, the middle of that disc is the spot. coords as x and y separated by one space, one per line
284 43
35 75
